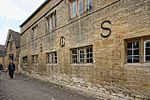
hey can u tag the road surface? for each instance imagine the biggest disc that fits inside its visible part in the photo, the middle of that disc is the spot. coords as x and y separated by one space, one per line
25 88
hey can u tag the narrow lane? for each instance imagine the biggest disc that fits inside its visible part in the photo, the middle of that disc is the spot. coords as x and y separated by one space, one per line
25 88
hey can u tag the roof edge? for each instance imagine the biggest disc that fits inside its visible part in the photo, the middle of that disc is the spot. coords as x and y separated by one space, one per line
35 12
8 35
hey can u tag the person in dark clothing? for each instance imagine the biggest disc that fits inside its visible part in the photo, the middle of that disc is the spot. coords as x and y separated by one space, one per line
1 68
11 69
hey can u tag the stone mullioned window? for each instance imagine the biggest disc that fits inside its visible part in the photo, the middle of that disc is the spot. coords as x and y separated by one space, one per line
82 55
78 7
34 32
51 22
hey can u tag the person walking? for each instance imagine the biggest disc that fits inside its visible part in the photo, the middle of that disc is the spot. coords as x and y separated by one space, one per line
11 69
1 68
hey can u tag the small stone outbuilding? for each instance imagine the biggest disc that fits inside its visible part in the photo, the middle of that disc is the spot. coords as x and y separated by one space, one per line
12 48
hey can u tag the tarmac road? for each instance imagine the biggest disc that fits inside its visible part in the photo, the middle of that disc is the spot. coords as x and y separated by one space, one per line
25 88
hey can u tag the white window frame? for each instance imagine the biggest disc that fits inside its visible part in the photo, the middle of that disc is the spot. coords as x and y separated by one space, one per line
52 58
145 50
132 49
78 59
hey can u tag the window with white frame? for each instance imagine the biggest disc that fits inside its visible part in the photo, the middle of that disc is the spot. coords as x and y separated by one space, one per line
52 57
133 52
82 55
147 50
89 55
74 55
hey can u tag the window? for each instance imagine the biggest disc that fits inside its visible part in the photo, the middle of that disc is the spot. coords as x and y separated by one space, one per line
138 50
74 8
34 58
74 56
80 7
147 50
82 55
24 59
88 5
133 52
34 32
89 55
51 22
52 58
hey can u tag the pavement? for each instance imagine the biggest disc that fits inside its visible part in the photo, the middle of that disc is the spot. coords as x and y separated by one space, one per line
26 88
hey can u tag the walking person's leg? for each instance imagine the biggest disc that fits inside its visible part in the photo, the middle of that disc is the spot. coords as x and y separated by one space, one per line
10 75
0 74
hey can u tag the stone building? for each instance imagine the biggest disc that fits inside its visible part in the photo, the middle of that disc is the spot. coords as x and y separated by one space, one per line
12 46
99 47
2 55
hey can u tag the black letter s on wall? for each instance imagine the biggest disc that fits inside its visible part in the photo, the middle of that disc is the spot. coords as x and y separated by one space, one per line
106 28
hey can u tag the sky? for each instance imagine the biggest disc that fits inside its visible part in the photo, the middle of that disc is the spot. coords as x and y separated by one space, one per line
13 13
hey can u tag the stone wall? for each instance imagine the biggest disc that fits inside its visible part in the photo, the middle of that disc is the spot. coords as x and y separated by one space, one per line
109 76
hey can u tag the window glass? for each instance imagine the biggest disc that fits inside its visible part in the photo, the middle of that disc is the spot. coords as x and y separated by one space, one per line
129 45
88 5
136 52
135 59
80 6
148 44
74 8
129 52
147 50
147 58
82 56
